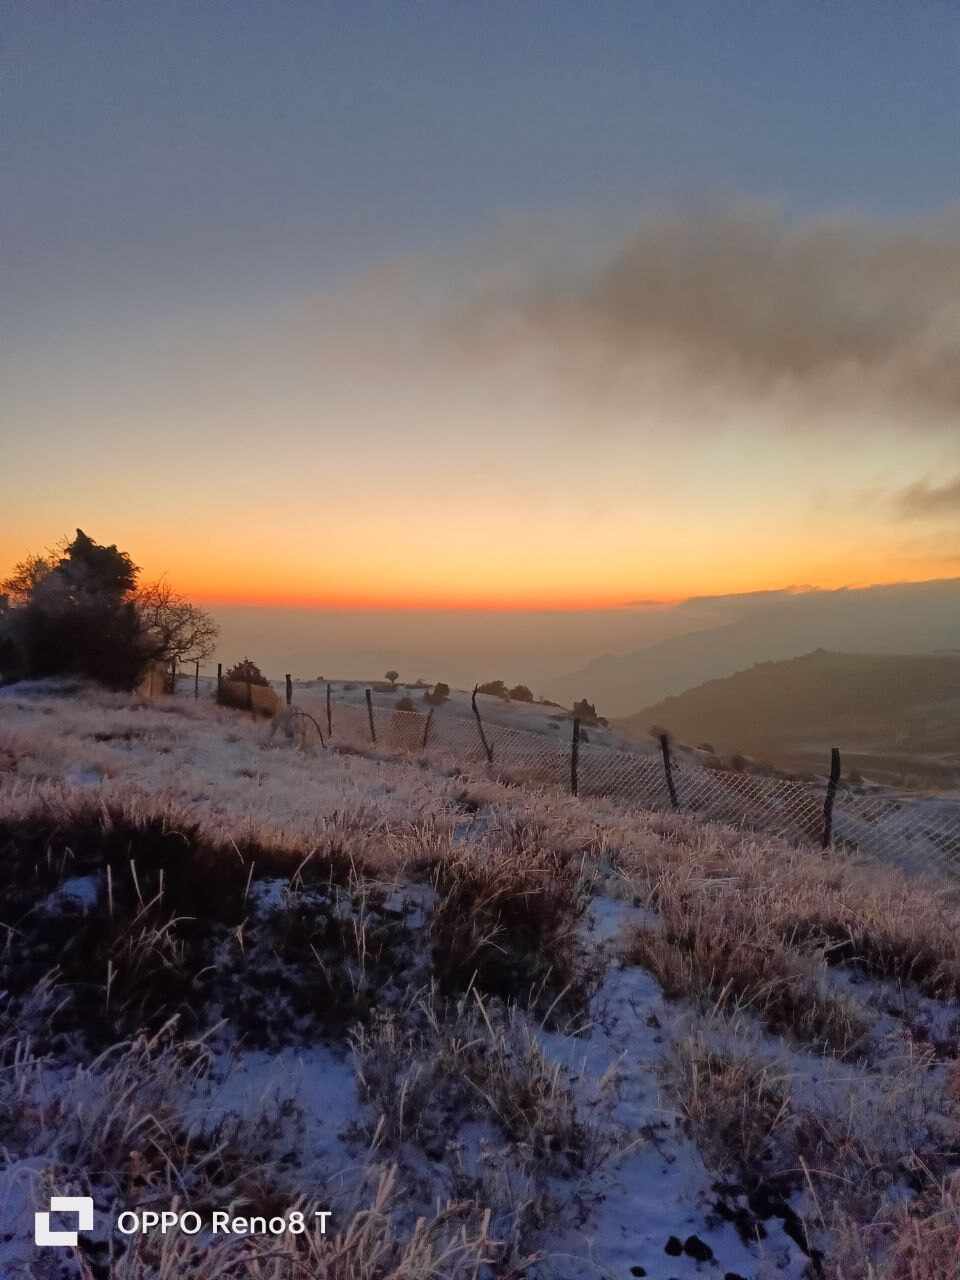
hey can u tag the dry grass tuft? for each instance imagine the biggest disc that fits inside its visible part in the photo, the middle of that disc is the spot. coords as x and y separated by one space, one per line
466 1061
505 923
715 945
734 1106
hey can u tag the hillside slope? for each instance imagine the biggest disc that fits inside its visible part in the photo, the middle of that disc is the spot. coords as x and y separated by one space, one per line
892 715
487 1030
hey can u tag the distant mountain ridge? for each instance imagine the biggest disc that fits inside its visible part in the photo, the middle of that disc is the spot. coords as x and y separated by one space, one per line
892 715
904 618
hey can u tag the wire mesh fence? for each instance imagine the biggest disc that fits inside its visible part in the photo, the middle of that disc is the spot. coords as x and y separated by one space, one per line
917 832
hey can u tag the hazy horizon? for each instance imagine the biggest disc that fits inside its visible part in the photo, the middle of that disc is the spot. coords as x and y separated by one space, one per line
540 648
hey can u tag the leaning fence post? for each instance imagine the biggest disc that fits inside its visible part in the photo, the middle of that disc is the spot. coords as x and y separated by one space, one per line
329 713
831 797
196 679
483 737
668 768
426 729
373 730
575 757
289 688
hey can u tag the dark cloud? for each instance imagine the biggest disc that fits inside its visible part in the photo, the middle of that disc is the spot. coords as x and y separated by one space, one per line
756 304
930 500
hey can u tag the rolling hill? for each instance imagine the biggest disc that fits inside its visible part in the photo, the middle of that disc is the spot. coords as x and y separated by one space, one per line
895 717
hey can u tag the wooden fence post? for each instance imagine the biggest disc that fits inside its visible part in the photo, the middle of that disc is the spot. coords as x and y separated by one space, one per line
329 713
831 797
426 729
575 757
668 768
196 680
289 688
483 737
373 730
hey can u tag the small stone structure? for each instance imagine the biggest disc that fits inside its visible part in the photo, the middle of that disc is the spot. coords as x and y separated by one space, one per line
259 698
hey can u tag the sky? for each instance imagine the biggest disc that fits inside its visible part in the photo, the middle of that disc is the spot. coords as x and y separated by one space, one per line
509 309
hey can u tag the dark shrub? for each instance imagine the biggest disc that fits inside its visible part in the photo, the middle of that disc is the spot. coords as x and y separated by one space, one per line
495 688
246 672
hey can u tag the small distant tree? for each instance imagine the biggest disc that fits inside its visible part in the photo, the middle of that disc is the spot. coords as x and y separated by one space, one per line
495 688
439 694
520 693
247 672
587 712
392 676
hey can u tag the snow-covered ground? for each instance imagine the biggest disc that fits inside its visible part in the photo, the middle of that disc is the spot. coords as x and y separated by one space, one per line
239 969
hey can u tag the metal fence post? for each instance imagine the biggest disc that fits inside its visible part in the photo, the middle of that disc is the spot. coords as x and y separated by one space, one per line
575 757
831 797
196 680
483 737
329 713
219 680
373 730
289 688
668 768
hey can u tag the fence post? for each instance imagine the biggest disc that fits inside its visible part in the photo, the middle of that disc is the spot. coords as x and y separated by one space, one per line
373 731
289 688
219 680
668 768
329 713
483 737
831 797
196 680
426 729
575 757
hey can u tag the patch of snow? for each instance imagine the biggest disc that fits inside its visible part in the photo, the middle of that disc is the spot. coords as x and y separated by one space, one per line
660 1187
317 1079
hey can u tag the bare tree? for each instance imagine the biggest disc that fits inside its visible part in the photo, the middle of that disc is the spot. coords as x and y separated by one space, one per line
175 628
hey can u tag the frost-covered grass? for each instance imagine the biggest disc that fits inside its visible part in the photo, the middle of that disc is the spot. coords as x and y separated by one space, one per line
498 1031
